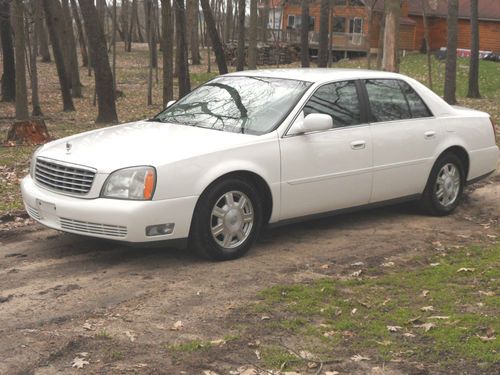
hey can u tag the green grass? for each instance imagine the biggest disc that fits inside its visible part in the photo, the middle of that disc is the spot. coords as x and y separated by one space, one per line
467 299
188 347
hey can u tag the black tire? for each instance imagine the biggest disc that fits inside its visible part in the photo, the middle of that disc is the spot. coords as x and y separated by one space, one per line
201 238
430 201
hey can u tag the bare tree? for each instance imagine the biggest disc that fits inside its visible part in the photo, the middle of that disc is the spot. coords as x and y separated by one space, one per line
21 88
240 53
229 20
124 17
220 57
9 67
265 21
252 36
103 76
391 35
41 34
35 99
167 50
369 4
473 91
304 34
181 48
450 80
324 19
70 46
148 10
81 34
50 19
427 42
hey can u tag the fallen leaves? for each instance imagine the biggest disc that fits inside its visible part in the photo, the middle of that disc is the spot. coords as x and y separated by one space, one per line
130 335
464 269
427 308
80 360
359 357
426 326
394 328
178 325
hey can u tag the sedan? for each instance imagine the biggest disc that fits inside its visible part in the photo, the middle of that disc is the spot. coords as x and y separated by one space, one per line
253 148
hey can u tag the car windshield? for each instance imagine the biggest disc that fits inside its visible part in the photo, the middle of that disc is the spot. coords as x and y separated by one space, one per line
250 105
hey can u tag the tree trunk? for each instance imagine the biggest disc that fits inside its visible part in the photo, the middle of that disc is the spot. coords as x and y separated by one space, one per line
380 52
220 57
194 42
135 14
473 91
240 53
390 56
81 34
148 10
9 67
427 43
450 79
41 34
35 99
323 33
28 132
167 50
113 40
133 11
103 77
304 35
50 15
181 50
21 89
229 21
369 9
252 36
76 85
265 21
124 16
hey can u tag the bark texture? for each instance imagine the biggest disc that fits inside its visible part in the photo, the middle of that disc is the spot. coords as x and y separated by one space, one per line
167 50
304 35
240 53
106 112
70 46
450 79
181 50
391 35
81 34
252 36
21 87
9 66
474 57
323 33
220 57
41 33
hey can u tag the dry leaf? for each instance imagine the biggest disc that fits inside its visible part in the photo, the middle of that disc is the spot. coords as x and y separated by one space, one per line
388 264
357 264
209 372
329 334
408 334
384 343
358 358
257 354
306 355
356 273
79 362
488 294
394 328
218 342
439 317
486 338
435 264
426 326
177 326
463 269
427 308
424 293
130 335
332 373
87 326
353 311
265 317
325 266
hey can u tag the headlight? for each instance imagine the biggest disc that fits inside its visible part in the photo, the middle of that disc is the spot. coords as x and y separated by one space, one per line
137 183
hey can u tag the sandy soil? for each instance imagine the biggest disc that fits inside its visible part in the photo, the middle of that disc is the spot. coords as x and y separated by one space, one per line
61 295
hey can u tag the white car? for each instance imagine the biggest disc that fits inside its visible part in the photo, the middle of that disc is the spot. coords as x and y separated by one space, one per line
261 147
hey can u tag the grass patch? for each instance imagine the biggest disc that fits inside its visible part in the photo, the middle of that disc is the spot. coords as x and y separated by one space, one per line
188 347
465 309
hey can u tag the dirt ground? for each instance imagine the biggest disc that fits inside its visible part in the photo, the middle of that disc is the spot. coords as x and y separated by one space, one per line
61 295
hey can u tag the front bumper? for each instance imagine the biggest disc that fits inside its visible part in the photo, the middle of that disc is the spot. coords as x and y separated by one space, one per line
114 219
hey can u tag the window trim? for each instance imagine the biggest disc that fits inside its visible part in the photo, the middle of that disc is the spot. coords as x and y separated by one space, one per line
363 110
371 118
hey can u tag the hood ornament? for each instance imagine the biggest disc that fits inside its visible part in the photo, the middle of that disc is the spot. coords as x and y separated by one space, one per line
68 147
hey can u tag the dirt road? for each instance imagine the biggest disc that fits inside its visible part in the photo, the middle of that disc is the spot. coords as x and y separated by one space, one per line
61 295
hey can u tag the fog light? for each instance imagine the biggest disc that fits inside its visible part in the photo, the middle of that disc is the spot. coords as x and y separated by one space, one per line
159 229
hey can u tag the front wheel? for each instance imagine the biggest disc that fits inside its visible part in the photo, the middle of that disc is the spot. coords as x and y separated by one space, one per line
445 185
227 220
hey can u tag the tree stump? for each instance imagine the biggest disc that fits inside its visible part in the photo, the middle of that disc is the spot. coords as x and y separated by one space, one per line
29 132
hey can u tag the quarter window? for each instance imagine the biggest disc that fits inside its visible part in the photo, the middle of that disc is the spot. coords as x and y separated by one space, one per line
392 99
339 100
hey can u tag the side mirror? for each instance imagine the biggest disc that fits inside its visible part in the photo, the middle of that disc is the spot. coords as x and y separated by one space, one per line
313 122
170 102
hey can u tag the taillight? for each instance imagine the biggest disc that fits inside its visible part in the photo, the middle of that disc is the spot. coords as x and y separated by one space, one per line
494 129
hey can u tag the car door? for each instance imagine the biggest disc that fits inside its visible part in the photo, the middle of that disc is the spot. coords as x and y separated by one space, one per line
328 170
405 136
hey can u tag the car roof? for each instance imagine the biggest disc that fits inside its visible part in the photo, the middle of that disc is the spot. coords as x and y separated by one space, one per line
316 75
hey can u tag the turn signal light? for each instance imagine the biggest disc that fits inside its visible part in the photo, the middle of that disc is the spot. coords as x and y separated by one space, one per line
149 184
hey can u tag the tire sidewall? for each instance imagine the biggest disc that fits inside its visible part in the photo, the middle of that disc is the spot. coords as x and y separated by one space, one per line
437 207
201 231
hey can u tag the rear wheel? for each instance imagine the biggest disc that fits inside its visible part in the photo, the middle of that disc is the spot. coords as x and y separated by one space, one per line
227 220
445 185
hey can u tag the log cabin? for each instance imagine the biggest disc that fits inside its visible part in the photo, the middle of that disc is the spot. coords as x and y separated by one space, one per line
350 30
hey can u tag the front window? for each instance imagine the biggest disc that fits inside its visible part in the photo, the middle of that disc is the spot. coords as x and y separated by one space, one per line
250 105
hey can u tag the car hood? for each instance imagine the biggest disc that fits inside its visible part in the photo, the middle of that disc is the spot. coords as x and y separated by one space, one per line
140 143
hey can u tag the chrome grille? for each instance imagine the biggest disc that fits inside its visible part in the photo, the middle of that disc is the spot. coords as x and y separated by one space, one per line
64 177
93 228
33 212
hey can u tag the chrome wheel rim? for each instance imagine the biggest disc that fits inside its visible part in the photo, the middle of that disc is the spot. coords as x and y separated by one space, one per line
447 184
232 219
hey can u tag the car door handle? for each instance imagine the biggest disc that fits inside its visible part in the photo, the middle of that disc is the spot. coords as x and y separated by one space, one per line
358 145
430 134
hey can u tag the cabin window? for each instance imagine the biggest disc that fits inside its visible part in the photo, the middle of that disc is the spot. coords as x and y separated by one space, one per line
294 21
356 3
356 26
339 24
